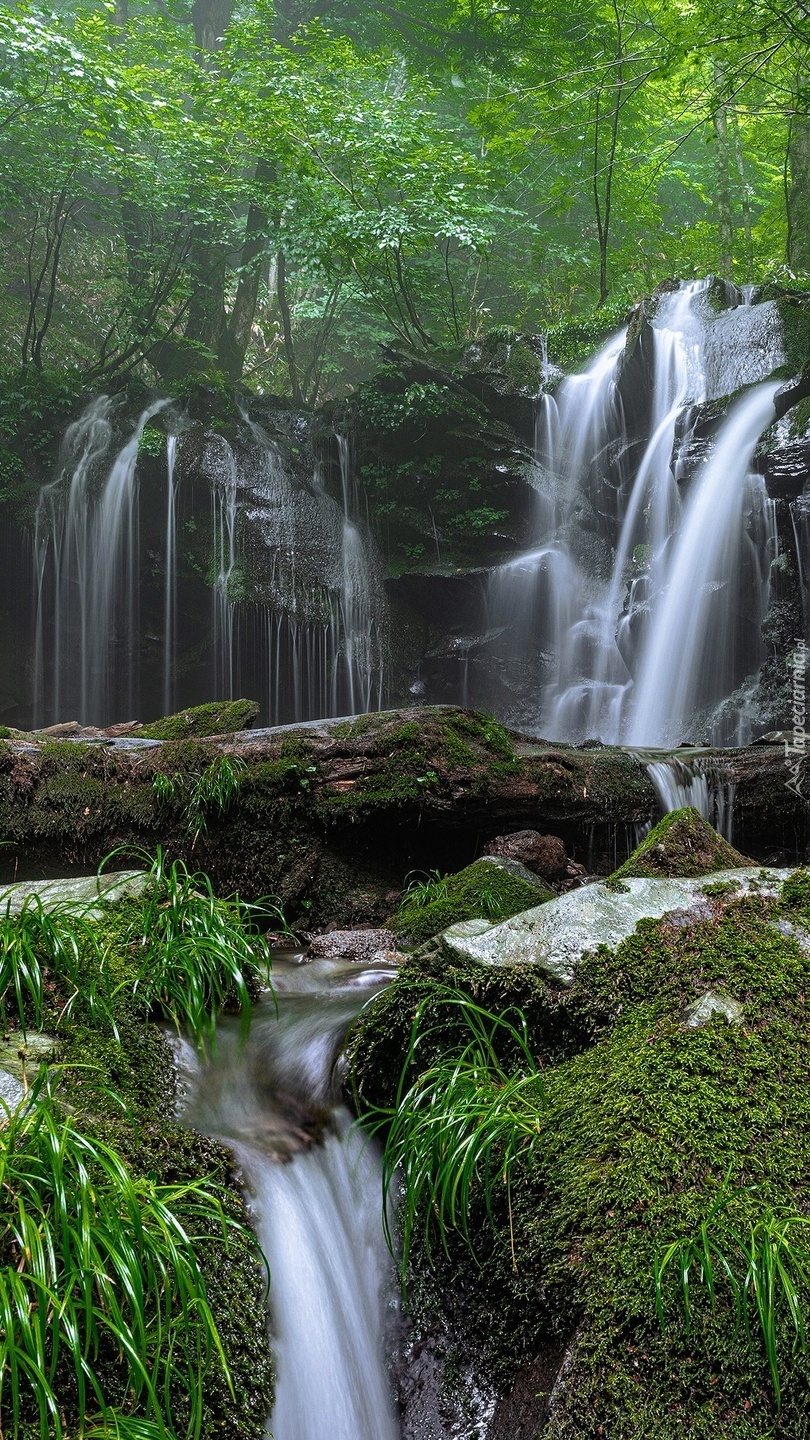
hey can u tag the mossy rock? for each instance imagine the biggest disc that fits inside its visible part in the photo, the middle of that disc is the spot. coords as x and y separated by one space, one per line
683 843
489 889
222 717
652 1128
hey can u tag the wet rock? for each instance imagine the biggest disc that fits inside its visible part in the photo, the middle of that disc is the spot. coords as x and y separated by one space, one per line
703 1010
555 936
78 890
22 1054
361 946
545 855
12 1091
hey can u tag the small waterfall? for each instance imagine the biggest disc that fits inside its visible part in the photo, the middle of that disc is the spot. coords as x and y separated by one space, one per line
313 1185
679 782
86 550
689 652
170 600
800 522
320 587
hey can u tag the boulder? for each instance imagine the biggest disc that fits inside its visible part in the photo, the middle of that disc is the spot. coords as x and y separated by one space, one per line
555 936
489 890
364 947
545 855
683 843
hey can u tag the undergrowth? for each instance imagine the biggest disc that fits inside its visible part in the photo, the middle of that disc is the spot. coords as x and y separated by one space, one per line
101 1289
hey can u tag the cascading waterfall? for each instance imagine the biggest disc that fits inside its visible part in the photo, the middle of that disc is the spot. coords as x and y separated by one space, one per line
314 1190
689 652
86 550
643 656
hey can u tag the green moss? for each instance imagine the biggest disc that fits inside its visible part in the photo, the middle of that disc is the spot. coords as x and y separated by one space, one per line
647 1121
683 843
223 717
482 891
795 317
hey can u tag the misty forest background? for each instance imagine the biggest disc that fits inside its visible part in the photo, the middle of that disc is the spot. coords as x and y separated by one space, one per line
264 191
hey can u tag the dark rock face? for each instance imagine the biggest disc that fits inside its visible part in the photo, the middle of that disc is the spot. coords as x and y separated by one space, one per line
544 854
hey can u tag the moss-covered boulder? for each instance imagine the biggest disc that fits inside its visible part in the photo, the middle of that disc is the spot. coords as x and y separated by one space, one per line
222 717
651 1129
490 889
683 843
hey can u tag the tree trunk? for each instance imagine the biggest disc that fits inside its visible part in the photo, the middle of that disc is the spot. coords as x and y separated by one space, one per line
798 193
725 219
255 255
286 324
207 321
602 208
745 195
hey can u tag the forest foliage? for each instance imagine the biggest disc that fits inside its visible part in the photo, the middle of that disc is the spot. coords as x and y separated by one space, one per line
265 189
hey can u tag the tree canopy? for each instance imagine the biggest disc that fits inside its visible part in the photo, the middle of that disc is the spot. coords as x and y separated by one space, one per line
264 189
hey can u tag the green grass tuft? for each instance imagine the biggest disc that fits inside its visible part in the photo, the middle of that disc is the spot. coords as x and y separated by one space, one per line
102 1297
456 1130
196 952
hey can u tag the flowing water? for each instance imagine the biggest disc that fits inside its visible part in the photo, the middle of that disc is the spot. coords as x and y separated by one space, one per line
694 781
634 614
314 1190
86 549
638 607
245 576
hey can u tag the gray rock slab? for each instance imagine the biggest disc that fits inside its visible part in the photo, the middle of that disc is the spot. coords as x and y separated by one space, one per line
12 1092
556 935
22 1054
707 1006
78 890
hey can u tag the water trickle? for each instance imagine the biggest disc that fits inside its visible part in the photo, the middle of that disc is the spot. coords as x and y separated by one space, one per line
223 528
170 600
679 782
314 1189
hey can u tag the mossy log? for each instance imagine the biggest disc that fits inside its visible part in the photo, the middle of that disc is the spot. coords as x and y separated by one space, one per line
331 815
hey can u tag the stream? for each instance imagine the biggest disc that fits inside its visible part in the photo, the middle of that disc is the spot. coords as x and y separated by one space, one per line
313 1187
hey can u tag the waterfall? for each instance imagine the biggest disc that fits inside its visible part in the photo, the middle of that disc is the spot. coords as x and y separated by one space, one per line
361 602
690 644
313 1186
638 604
679 782
223 529
276 589
86 555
